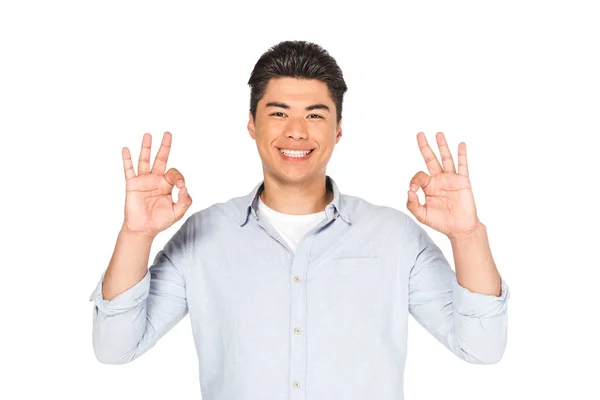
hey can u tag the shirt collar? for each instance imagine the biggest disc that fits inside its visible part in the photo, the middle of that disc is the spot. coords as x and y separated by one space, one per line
332 210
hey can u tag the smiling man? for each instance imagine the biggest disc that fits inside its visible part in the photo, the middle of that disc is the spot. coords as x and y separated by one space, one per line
297 290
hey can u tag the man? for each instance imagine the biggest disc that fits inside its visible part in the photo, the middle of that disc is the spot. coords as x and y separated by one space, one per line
297 291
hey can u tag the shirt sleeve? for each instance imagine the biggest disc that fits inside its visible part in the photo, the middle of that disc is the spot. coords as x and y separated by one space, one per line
131 323
472 325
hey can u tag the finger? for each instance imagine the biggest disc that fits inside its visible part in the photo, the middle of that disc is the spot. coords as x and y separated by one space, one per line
447 160
416 208
160 162
463 168
144 161
433 165
184 201
420 180
175 178
127 164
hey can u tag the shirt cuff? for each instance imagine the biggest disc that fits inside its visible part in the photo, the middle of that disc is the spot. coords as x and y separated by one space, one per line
479 305
124 301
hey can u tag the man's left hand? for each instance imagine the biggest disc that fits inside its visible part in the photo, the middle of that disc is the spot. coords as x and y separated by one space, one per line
449 203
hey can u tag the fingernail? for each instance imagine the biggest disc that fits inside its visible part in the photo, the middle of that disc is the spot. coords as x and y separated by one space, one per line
414 188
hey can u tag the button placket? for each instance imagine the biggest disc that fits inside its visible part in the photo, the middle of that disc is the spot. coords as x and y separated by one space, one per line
298 320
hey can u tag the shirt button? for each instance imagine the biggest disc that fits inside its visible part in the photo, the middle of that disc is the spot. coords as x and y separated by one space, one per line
297 278
297 330
296 384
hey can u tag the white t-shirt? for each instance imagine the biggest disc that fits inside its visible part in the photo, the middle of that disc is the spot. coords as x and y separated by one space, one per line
291 227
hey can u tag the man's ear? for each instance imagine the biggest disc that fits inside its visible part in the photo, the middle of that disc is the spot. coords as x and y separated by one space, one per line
338 135
251 125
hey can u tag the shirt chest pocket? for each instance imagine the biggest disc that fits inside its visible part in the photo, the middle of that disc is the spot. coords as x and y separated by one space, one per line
356 287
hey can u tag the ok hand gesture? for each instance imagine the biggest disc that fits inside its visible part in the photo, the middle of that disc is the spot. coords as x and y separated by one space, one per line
449 204
149 207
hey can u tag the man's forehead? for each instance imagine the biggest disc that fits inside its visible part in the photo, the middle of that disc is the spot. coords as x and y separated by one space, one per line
296 92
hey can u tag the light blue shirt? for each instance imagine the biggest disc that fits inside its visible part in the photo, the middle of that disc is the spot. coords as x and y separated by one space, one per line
328 322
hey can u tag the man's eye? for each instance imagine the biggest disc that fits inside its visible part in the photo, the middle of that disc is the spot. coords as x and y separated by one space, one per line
278 114
315 115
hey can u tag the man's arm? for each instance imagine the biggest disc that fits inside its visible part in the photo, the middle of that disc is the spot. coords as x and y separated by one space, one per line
128 264
471 323
136 312
475 267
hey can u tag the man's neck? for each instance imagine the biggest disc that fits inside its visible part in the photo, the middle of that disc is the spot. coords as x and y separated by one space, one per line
301 199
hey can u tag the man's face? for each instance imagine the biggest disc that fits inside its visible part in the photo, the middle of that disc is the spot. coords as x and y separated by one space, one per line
295 114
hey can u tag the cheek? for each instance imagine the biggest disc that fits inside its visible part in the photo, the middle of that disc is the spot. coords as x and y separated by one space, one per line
268 129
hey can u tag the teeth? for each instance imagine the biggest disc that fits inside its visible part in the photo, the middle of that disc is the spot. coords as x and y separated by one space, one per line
295 153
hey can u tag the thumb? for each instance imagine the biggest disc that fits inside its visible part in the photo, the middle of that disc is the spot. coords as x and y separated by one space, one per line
184 201
415 207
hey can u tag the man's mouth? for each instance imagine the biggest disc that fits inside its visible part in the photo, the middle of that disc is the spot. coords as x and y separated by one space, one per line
296 154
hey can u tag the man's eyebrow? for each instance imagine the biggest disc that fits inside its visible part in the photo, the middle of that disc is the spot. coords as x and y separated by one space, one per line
309 108
277 104
317 107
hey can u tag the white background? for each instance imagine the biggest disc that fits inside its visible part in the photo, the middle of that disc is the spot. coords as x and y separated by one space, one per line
517 81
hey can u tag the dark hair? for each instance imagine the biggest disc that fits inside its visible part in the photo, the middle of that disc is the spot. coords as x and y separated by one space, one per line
297 59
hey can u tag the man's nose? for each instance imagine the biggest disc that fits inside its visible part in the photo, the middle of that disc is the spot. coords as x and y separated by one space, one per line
296 128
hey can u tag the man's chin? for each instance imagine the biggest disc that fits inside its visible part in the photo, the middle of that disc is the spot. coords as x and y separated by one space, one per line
292 177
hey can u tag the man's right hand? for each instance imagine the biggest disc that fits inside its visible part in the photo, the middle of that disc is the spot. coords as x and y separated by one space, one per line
149 207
